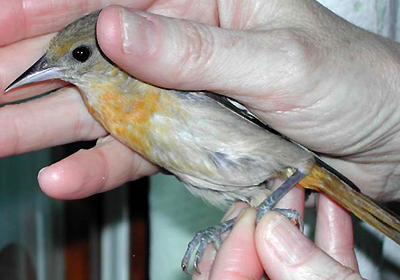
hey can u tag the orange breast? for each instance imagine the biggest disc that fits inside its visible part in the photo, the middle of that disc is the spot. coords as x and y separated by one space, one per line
128 116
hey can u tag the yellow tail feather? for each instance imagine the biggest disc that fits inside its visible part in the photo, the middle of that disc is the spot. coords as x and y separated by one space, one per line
360 205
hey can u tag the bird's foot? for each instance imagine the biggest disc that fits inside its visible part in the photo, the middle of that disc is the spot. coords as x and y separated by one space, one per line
213 234
202 239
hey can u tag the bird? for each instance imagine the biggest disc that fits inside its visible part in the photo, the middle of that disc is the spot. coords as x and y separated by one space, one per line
213 144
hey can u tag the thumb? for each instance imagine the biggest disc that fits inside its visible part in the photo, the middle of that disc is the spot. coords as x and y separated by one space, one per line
287 254
186 55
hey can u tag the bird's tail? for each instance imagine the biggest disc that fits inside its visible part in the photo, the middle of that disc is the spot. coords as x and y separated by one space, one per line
354 201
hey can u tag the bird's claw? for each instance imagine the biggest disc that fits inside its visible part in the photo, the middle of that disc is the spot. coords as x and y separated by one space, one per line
213 235
291 214
202 239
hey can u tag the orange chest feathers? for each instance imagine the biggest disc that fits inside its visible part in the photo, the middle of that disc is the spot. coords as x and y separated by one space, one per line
129 116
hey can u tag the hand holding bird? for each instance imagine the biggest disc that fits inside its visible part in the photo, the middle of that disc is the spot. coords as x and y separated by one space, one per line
293 55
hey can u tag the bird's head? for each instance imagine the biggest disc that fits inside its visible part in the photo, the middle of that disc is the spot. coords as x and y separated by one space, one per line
70 55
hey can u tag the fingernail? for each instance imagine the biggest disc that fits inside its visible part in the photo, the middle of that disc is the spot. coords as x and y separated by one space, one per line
138 32
233 212
287 242
41 170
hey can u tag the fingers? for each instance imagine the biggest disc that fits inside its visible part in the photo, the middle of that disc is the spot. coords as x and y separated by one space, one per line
207 262
237 258
183 54
106 166
55 119
286 253
334 232
28 18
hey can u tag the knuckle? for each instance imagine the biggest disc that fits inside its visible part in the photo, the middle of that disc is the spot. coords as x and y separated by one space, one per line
344 273
103 168
292 60
346 249
139 167
198 50
135 168
293 43
294 51
79 128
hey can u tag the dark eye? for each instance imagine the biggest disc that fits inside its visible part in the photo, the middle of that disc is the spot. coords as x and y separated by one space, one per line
81 53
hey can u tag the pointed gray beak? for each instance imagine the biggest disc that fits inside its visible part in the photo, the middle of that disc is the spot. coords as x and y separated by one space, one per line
38 72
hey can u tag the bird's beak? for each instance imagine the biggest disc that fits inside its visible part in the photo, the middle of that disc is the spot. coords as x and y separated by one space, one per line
38 72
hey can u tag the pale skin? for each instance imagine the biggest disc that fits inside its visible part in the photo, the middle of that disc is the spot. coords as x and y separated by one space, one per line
311 75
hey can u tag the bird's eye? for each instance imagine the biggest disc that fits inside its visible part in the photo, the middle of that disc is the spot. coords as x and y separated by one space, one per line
81 53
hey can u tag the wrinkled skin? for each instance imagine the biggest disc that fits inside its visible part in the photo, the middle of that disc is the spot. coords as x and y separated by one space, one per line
309 74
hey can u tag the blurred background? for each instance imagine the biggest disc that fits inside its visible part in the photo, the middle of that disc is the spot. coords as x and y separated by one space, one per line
141 230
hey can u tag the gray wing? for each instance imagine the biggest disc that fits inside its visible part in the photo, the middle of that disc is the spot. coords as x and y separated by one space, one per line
241 110
213 143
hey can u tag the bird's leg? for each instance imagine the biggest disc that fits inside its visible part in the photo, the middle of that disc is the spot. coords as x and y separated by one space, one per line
213 234
269 203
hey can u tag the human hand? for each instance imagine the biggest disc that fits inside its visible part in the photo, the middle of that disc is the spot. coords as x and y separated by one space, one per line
62 117
313 76
286 79
277 248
